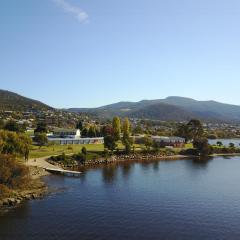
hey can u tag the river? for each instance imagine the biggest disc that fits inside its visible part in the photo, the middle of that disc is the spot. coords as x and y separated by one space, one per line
225 142
182 199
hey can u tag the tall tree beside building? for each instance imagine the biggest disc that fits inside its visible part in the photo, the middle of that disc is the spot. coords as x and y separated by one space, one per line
195 129
84 132
79 125
116 125
127 140
191 131
126 128
92 132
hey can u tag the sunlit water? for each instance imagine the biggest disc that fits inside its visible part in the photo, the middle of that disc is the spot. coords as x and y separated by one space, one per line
182 199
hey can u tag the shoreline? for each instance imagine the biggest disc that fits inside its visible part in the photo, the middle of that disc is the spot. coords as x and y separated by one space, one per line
132 158
38 189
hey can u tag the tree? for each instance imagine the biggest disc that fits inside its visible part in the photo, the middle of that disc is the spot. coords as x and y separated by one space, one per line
107 130
12 126
79 125
156 146
195 129
231 145
116 125
14 143
126 128
2 124
219 143
148 143
109 142
13 174
190 131
138 130
126 140
41 128
25 142
84 150
85 132
128 145
182 131
41 139
92 132
202 146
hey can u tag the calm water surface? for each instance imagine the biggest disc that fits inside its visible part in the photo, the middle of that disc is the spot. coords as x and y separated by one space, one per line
225 142
182 199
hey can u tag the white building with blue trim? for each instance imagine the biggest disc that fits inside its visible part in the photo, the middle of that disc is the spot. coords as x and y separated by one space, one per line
71 136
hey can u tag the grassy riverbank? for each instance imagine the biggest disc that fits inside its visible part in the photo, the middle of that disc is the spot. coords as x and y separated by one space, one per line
46 151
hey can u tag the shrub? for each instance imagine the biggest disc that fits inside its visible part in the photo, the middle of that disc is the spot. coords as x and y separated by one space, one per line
13 174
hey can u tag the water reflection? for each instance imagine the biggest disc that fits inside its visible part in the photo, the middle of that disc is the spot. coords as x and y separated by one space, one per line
83 176
109 173
126 169
201 162
156 166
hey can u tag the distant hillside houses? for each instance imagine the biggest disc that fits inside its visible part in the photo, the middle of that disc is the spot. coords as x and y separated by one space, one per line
71 136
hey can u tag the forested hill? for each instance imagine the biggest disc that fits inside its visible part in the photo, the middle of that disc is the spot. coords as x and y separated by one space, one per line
171 108
10 101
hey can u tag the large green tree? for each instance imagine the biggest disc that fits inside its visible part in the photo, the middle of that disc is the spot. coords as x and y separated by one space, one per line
202 146
126 139
109 142
84 132
92 131
41 139
191 131
116 125
195 129
14 143
79 125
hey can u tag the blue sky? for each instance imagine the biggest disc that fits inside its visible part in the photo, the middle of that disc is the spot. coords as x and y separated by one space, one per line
87 53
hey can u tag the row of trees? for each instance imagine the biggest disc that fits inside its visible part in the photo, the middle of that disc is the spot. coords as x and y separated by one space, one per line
116 132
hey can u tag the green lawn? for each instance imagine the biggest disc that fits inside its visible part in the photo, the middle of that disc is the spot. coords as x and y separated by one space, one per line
46 151
59 149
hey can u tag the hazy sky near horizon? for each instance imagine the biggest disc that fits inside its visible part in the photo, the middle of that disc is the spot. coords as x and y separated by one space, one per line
87 53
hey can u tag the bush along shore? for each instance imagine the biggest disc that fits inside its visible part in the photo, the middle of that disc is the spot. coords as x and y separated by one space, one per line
19 183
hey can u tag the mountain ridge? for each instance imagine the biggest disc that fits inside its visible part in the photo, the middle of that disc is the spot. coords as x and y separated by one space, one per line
209 110
172 108
15 102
